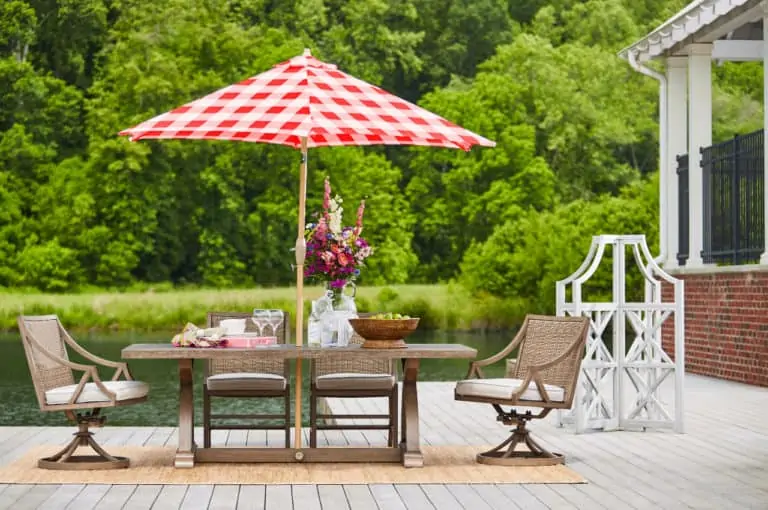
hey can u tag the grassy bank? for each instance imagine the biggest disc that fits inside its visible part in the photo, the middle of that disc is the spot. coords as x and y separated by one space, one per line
440 306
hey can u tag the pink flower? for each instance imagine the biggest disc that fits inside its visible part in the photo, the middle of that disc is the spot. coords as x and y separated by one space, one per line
322 229
327 257
327 197
343 259
359 224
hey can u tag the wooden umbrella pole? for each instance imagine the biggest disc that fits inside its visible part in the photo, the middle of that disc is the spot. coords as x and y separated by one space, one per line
301 250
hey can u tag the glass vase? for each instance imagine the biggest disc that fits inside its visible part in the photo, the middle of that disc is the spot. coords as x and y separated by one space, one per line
342 298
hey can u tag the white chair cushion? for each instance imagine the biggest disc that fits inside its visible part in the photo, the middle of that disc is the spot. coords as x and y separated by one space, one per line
504 388
123 390
344 381
246 381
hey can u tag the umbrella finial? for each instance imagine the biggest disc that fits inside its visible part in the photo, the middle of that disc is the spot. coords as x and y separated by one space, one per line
307 53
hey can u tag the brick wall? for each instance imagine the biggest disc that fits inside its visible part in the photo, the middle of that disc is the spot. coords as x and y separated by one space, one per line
726 324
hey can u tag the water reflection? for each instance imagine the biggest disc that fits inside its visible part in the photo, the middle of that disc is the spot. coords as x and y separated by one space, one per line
18 404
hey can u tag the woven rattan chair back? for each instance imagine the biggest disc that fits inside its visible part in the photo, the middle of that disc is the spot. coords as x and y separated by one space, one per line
353 366
546 338
225 366
47 333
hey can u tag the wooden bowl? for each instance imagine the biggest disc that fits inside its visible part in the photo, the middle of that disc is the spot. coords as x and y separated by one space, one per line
384 333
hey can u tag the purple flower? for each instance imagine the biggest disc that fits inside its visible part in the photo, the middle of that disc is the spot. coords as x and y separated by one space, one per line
337 284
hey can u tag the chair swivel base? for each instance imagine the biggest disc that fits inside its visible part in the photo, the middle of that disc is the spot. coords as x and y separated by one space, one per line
506 454
520 458
67 460
84 462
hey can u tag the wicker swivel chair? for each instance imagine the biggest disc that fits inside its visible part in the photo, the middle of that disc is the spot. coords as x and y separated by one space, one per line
45 343
544 376
247 378
353 378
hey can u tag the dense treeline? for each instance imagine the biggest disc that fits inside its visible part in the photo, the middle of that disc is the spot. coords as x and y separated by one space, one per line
575 127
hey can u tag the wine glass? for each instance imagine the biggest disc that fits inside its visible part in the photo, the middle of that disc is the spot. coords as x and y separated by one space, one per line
275 319
260 319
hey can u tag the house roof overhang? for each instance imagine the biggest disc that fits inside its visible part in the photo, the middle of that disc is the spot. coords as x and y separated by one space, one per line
701 21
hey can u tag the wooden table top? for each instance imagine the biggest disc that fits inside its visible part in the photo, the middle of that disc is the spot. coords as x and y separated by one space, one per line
291 351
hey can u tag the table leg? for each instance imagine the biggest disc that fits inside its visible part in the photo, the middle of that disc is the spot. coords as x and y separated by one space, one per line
412 456
185 453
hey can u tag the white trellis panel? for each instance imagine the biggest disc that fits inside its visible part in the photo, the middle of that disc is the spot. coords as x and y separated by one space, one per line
619 386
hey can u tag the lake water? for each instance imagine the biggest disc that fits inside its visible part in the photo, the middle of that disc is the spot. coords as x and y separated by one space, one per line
18 404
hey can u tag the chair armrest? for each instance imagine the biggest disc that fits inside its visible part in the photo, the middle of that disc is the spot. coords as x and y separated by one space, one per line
58 359
89 372
120 366
88 355
476 366
93 375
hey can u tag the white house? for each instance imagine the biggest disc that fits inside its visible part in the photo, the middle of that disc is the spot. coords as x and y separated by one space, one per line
725 218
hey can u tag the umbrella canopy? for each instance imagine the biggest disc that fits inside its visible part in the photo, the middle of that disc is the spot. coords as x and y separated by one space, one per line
306 98
304 103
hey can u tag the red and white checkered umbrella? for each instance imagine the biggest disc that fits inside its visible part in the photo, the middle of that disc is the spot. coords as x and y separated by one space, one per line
306 98
306 103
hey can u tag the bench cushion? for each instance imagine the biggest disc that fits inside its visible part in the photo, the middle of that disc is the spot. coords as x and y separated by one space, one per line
504 388
246 381
124 390
344 381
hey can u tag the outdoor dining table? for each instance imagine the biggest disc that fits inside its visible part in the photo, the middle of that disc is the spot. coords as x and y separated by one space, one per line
409 451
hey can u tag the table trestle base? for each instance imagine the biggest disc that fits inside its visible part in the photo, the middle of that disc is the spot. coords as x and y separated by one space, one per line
303 455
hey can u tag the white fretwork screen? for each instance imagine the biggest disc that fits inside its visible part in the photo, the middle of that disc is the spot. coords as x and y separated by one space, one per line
625 366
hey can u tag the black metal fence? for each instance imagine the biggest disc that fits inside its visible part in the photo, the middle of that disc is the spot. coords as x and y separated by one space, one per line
683 210
734 191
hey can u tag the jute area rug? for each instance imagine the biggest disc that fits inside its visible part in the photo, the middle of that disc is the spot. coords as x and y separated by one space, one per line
154 465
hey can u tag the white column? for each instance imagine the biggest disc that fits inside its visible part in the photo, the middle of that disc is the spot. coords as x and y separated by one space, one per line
764 256
699 135
677 144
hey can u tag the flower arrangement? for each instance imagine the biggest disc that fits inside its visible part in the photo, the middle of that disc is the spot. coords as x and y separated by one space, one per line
335 253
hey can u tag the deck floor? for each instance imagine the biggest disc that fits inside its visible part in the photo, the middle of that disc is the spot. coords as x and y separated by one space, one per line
721 462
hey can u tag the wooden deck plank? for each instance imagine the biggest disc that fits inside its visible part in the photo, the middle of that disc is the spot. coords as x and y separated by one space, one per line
197 497
278 497
440 497
143 497
14 493
141 436
521 497
549 497
360 497
120 436
468 497
89 497
413 497
224 497
494 497
16 446
625 470
256 438
306 497
387 497
276 438
62 496
333 496
691 475
170 497
35 497
575 497
160 436
237 438
251 497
